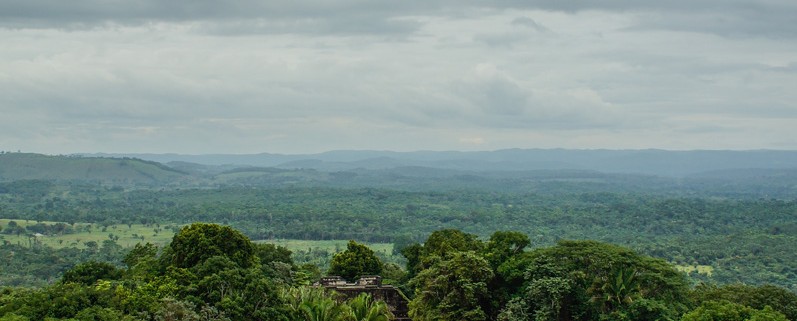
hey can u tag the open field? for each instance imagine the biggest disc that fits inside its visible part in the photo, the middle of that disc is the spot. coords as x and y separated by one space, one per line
128 236
124 235
330 246
706 270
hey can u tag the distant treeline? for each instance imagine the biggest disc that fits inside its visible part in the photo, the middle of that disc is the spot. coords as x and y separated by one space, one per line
745 240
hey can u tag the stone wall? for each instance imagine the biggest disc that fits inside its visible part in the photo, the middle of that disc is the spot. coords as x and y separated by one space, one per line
372 284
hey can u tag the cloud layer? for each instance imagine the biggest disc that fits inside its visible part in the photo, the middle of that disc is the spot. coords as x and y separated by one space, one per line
308 76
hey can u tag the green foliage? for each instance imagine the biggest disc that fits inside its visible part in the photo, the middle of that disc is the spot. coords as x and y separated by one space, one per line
743 237
549 296
268 253
174 310
41 265
365 308
587 280
392 273
200 241
515 310
615 290
306 274
443 243
57 301
314 304
504 245
452 289
221 275
729 311
645 309
414 254
779 299
140 253
242 294
13 317
90 272
97 313
357 260
503 248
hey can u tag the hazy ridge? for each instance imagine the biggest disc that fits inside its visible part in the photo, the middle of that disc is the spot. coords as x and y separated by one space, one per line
648 162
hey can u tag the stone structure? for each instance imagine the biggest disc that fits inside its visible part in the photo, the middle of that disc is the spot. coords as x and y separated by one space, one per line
371 284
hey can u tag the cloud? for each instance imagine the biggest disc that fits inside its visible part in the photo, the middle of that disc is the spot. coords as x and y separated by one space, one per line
238 17
472 140
499 100
306 76
772 22
529 23
770 18
344 26
496 93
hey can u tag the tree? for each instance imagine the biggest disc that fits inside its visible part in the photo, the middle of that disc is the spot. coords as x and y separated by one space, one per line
313 304
440 245
587 280
273 253
365 308
140 253
413 253
453 289
729 311
97 313
357 260
324 310
503 245
92 246
446 242
89 272
200 241
780 299
616 289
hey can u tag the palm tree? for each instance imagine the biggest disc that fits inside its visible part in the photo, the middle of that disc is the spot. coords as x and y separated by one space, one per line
365 308
325 309
314 304
618 289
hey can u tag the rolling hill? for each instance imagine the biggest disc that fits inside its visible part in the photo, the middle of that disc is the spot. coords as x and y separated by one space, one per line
116 171
646 162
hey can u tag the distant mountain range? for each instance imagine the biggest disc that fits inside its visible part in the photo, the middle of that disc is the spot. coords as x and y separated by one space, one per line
647 162
750 174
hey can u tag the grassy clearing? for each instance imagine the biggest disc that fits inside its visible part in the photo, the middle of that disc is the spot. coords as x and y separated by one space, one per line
132 234
331 246
124 235
706 270
128 236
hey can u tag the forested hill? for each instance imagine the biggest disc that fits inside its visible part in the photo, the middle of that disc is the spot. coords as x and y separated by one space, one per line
778 180
116 171
648 162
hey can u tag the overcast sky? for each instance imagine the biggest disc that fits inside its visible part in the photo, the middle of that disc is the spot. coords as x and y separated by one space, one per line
251 76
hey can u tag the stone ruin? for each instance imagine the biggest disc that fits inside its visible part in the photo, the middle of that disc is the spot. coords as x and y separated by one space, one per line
397 303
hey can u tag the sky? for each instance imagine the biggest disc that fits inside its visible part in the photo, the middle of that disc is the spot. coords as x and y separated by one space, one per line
307 76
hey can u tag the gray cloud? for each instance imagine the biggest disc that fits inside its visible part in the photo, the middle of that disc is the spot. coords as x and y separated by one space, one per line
507 39
772 18
311 76
223 18
364 26
529 23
